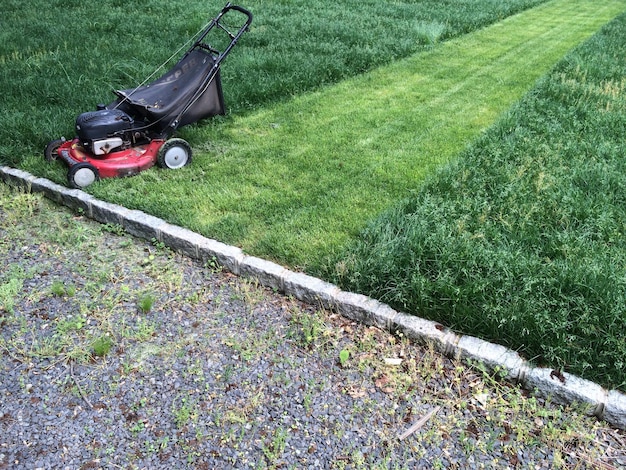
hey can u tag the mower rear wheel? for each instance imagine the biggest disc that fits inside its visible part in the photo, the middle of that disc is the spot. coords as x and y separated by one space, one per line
51 152
82 175
174 154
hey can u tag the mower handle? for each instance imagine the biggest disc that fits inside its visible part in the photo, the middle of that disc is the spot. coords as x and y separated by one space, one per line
230 6
219 56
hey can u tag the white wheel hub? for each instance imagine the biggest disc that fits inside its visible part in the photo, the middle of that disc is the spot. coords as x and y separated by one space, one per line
176 157
84 177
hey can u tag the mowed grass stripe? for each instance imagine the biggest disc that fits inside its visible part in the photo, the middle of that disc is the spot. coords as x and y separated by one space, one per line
296 181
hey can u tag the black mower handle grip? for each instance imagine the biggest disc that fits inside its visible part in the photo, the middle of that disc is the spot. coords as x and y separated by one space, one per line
230 6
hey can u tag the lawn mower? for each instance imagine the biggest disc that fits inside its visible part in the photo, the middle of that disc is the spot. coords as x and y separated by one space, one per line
133 133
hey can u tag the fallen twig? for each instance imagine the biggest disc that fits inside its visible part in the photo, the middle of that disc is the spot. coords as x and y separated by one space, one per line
80 390
418 424
595 463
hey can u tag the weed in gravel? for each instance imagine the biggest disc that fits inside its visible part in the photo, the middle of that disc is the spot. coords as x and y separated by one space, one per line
195 371
161 247
344 355
273 449
20 205
137 427
184 413
306 328
102 346
250 292
70 323
60 289
145 303
57 289
115 229
213 266
49 347
8 291
70 290
246 350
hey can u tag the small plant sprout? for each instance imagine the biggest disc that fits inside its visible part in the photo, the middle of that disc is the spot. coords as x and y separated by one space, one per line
58 289
101 346
115 229
184 414
344 355
274 449
213 265
146 302
308 328
8 292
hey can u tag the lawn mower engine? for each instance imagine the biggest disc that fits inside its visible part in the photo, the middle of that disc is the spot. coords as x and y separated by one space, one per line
107 130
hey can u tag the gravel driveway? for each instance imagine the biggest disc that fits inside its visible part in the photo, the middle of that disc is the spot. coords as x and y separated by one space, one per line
118 353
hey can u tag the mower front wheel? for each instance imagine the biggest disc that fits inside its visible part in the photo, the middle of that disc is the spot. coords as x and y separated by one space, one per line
82 175
174 154
51 152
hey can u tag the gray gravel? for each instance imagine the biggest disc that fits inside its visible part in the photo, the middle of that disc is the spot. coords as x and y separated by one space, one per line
118 353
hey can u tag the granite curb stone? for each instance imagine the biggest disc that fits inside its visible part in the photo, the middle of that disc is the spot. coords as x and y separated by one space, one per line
143 225
267 273
614 411
494 356
229 257
566 388
426 332
310 289
179 239
562 388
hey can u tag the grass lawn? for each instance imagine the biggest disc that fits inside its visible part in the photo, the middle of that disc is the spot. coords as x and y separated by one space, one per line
523 239
296 181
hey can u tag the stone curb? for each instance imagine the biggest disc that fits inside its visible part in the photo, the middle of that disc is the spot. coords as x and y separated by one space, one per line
609 405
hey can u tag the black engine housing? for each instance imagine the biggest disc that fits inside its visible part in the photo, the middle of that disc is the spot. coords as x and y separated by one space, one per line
93 126
103 123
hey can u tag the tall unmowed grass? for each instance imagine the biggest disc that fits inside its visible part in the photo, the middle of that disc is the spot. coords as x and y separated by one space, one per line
522 240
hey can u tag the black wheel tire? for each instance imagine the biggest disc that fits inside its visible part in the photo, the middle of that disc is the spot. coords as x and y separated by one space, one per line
82 175
51 152
174 154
